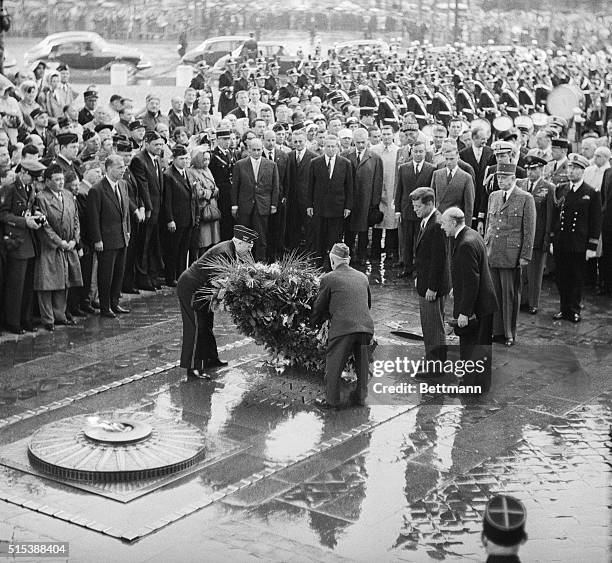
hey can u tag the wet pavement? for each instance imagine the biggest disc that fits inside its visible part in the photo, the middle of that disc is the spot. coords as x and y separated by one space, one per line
282 480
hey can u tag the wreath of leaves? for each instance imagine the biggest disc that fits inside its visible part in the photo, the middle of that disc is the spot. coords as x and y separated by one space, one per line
272 304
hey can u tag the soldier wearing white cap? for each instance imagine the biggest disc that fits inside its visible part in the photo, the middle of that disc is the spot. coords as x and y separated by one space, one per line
575 237
344 298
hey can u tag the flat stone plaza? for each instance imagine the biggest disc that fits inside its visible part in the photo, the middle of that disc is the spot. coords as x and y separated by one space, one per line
282 480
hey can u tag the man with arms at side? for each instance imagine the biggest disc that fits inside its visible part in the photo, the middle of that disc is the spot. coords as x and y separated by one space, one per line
433 276
255 192
108 216
330 197
473 292
344 298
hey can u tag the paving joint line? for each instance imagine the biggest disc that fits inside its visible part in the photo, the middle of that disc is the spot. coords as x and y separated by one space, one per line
55 405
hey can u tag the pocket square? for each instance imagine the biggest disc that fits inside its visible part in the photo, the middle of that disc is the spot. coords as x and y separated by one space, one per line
586 197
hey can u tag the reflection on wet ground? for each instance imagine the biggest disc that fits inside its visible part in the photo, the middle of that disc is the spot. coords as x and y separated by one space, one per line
285 481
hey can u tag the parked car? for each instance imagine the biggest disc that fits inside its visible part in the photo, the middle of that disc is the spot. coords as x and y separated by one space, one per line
270 50
84 50
345 48
213 48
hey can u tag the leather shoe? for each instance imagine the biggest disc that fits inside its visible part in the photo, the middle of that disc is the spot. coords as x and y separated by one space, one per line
49 327
532 310
215 363
131 290
157 285
509 342
87 308
78 313
574 317
67 322
323 404
15 329
30 328
171 283
195 374
108 314
118 310
558 316
95 304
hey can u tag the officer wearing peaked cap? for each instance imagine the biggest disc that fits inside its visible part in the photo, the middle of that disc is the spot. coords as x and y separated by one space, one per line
344 298
199 347
503 529
575 237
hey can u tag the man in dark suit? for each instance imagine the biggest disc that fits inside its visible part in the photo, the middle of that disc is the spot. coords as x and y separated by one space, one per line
473 291
146 167
367 190
298 175
221 165
90 99
411 175
330 197
344 298
606 233
543 193
453 186
199 347
433 276
20 219
179 211
66 159
575 238
255 192
478 156
109 231
277 222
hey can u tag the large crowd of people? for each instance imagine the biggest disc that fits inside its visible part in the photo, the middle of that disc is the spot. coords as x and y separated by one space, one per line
103 197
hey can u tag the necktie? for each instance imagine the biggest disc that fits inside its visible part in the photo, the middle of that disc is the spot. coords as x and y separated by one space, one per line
423 223
505 196
299 157
449 177
358 158
329 167
416 169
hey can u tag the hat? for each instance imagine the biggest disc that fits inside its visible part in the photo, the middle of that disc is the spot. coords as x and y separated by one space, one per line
63 122
560 143
64 139
179 150
506 170
88 134
278 127
273 64
223 133
532 161
577 160
504 520
502 146
136 124
61 67
101 126
510 136
297 126
34 167
340 250
558 121
245 234
123 146
36 112
152 136
292 72
90 94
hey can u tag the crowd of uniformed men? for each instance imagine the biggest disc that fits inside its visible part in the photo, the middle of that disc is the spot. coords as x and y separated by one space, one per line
103 198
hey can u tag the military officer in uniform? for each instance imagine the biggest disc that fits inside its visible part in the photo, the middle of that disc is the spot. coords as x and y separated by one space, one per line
556 170
575 236
510 229
503 529
543 196
221 164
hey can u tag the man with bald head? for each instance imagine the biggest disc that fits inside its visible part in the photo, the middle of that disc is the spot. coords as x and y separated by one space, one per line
255 194
473 291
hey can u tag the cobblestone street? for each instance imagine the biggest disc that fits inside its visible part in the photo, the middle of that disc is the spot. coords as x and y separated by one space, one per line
283 480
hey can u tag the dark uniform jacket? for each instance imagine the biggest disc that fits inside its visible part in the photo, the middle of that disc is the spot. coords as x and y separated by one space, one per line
606 195
344 297
150 183
221 167
15 201
432 262
108 219
543 196
578 225
329 197
180 199
473 290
